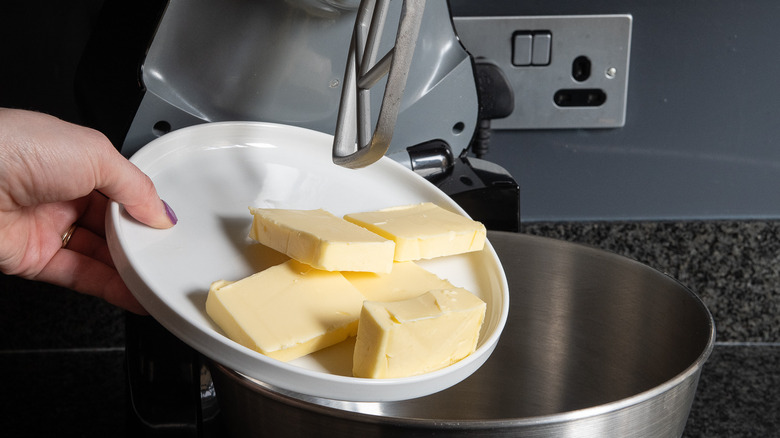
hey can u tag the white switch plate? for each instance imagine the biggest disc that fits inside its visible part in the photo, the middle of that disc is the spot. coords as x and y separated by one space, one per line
604 40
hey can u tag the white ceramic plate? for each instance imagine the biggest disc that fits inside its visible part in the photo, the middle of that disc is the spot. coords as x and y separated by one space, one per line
210 174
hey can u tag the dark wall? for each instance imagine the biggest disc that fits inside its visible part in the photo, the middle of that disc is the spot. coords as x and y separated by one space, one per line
41 42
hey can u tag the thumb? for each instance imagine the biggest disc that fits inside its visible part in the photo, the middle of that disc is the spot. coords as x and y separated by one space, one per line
123 182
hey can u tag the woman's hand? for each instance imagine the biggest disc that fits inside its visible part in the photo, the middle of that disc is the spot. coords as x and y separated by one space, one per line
54 174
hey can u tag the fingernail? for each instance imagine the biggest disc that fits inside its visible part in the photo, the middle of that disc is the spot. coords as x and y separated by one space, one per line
170 213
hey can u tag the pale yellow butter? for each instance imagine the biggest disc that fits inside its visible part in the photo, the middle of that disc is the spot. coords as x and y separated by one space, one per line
407 280
423 231
286 311
322 240
418 335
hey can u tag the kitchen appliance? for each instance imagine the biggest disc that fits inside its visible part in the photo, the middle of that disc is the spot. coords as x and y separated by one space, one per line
165 65
625 360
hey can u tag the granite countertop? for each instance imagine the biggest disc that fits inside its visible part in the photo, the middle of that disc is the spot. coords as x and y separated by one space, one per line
62 354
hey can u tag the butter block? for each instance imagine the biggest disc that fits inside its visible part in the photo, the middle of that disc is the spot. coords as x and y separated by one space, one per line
322 240
286 311
418 335
406 280
423 231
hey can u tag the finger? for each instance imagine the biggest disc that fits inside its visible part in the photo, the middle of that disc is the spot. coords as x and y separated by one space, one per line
124 183
44 152
85 242
94 215
86 275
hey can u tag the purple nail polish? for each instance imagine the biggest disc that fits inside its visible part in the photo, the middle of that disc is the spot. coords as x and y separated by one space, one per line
170 213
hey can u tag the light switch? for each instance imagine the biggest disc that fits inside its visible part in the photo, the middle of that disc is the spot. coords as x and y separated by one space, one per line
541 47
522 46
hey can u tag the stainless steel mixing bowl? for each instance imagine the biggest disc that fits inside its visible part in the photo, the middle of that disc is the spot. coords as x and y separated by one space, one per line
596 345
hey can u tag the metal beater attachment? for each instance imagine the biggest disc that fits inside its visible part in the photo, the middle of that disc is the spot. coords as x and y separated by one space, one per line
354 143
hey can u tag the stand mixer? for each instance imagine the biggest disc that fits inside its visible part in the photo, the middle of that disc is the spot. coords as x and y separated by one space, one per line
287 62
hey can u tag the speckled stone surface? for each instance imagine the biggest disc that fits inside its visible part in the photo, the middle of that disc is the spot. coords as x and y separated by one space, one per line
734 267
738 394
63 393
38 316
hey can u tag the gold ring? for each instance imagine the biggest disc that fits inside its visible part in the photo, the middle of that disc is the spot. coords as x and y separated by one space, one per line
68 234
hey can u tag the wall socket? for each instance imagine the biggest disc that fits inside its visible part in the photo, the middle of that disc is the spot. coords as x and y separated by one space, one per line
566 71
